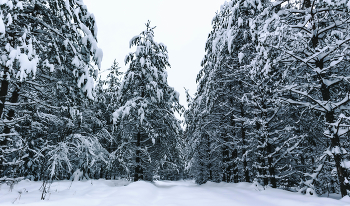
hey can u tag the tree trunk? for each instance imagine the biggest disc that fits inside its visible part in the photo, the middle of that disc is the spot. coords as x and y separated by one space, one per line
3 94
226 177
266 180
235 168
335 143
11 113
264 140
271 167
10 116
335 140
340 170
138 170
209 159
3 91
245 163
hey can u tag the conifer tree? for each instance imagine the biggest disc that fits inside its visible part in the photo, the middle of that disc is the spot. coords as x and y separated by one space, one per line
236 119
148 130
44 43
313 41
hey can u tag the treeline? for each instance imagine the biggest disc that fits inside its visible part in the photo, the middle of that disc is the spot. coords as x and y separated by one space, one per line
271 105
60 120
273 97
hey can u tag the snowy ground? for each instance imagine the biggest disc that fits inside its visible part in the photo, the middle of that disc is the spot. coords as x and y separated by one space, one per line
161 193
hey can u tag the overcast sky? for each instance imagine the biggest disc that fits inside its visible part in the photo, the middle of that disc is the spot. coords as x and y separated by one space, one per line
182 25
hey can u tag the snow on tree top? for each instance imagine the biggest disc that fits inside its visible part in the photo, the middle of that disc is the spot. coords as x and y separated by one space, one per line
133 40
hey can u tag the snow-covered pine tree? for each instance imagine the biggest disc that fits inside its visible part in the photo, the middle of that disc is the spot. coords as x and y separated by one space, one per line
113 79
108 91
148 130
105 104
235 47
226 76
204 125
274 139
43 39
224 86
313 40
209 122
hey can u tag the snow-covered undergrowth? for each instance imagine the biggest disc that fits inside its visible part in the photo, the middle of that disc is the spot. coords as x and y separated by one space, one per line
161 193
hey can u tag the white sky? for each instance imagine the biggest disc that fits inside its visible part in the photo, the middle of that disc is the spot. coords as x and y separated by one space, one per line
182 25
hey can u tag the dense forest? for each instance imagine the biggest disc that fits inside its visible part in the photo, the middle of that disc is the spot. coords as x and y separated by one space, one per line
272 104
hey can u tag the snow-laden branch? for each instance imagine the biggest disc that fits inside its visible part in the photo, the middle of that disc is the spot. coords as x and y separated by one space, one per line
320 103
50 28
287 150
345 100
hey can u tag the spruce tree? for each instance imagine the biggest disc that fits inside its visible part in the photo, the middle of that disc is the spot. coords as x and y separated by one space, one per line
148 131
237 121
45 44
312 38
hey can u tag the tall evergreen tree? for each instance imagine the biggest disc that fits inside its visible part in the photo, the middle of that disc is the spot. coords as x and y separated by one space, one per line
50 42
312 37
236 120
224 85
148 130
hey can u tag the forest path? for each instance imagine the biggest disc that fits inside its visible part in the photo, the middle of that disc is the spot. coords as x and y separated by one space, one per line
160 193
